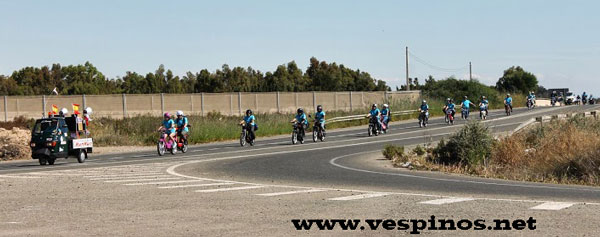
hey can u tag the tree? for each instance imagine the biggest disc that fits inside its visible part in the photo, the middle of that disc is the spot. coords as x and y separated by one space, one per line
87 79
456 89
515 79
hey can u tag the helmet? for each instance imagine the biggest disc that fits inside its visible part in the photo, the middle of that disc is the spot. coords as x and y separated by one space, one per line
385 105
179 113
466 97
319 108
87 110
448 99
507 95
167 115
248 112
424 102
483 97
374 105
63 111
300 111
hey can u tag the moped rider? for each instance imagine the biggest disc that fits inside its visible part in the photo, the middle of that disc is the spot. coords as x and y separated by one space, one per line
249 123
301 119
182 125
169 126
375 113
320 118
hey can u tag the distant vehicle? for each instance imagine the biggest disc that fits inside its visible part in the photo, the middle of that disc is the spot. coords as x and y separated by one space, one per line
57 137
570 98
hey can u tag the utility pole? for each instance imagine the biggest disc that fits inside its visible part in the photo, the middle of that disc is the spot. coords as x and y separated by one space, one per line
470 72
407 80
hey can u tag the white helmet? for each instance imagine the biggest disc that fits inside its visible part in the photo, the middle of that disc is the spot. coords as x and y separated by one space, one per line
88 110
385 105
179 113
64 111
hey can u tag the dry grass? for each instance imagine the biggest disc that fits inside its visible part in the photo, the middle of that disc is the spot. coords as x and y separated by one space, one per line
566 152
561 152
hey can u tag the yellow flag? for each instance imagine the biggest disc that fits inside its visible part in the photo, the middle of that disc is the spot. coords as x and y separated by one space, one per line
76 108
54 109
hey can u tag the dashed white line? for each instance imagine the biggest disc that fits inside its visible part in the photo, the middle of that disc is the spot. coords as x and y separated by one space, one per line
291 192
19 177
52 174
132 177
361 196
446 201
197 185
229 189
122 175
553 206
165 182
137 180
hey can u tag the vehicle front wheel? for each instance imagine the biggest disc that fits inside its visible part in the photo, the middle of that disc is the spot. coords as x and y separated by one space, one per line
243 138
294 138
160 148
42 161
81 156
51 161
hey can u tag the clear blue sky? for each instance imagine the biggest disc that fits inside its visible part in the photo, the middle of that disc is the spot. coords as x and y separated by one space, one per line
559 41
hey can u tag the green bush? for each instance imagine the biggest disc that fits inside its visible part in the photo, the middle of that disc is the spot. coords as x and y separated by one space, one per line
391 152
470 146
419 150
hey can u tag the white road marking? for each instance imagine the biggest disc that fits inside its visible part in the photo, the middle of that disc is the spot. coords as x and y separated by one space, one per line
446 201
19 177
165 182
132 177
137 180
290 192
228 189
332 162
198 185
171 170
356 197
52 174
553 206
122 175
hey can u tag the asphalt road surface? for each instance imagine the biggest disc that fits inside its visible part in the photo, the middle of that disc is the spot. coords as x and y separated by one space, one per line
225 189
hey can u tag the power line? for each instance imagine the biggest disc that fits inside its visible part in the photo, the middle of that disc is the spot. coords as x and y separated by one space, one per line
422 61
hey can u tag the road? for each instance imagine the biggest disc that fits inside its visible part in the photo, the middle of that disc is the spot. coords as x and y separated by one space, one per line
224 189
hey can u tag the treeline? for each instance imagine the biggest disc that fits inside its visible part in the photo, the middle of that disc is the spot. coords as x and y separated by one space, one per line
515 80
86 79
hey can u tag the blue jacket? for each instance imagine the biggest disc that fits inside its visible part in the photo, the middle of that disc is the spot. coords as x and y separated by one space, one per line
181 122
249 119
301 118
320 116
375 112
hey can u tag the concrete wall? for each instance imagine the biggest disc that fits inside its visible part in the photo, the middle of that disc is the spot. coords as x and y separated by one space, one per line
119 106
